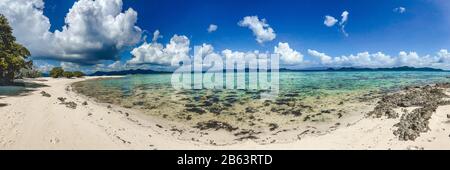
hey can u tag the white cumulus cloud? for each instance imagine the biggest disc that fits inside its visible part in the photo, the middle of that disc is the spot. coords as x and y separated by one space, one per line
325 59
93 31
330 21
260 28
400 10
287 55
156 53
212 28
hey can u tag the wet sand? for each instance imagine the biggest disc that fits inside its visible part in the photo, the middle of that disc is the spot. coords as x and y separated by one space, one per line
56 117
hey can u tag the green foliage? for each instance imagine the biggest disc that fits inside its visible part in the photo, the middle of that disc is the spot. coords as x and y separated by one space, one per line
56 72
78 74
12 55
68 74
29 73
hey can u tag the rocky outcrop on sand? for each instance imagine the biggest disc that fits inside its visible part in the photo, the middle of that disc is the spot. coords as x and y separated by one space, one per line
45 94
426 98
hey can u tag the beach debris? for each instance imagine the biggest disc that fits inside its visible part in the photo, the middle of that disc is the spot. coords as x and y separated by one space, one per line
216 109
54 140
3 104
123 140
250 110
45 94
246 134
295 112
189 117
138 103
157 125
196 110
414 148
216 125
62 99
448 116
273 126
71 105
247 137
173 129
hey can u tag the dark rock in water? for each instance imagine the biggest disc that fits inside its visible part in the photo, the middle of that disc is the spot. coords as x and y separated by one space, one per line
189 117
207 103
291 95
3 104
284 101
250 110
216 109
267 103
295 112
227 105
190 105
45 94
273 126
231 100
196 110
212 98
138 103
341 103
448 116
216 125
256 96
84 103
197 98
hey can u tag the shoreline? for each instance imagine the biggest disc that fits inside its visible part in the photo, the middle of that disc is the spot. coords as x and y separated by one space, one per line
34 121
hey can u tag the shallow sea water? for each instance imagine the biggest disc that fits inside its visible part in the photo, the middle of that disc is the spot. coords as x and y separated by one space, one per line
305 98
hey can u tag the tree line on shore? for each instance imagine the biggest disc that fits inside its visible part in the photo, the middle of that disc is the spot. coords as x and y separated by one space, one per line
15 62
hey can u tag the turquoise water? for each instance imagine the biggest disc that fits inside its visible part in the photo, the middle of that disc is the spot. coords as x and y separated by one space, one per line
303 83
11 90
304 97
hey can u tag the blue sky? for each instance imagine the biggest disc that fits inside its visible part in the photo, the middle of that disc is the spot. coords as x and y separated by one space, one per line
372 26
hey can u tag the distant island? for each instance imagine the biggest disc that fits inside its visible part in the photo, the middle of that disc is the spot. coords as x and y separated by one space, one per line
404 68
127 72
149 71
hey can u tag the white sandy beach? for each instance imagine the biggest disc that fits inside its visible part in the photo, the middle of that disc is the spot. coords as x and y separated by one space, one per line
36 122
